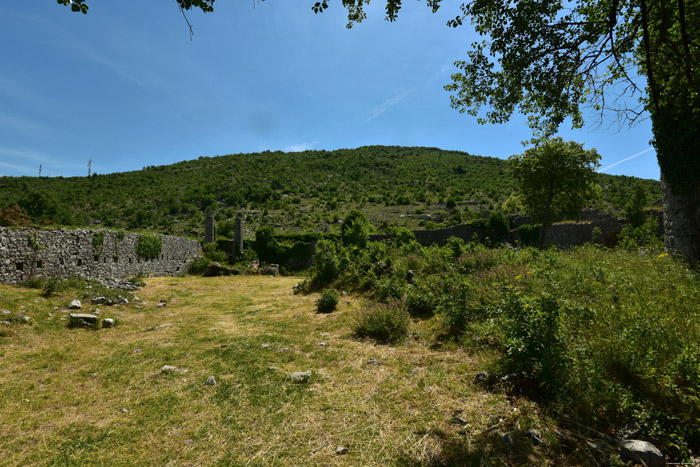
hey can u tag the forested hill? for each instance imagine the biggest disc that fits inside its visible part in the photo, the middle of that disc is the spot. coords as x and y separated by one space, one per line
409 186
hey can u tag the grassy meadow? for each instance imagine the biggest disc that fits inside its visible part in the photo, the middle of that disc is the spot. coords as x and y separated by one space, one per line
597 338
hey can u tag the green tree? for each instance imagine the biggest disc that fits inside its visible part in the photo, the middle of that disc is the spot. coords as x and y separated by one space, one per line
634 208
355 229
555 178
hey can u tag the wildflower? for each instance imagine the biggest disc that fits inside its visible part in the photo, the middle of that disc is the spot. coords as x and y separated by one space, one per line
662 255
518 276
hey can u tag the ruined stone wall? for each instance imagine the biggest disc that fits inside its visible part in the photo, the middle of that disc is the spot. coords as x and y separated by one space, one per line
28 253
440 236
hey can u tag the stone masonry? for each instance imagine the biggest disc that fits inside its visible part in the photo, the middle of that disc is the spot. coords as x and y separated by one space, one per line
26 253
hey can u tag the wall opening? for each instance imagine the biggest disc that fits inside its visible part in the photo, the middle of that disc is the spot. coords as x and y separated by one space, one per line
20 266
39 264
80 262
97 259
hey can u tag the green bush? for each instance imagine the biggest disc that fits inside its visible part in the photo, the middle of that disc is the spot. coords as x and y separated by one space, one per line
326 266
529 233
420 302
498 224
355 229
328 301
149 246
385 323
644 236
533 339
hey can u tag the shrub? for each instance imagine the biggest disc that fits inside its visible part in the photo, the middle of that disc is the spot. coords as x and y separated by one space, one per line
498 224
328 301
98 241
355 229
149 246
645 236
420 302
326 263
529 233
533 341
385 323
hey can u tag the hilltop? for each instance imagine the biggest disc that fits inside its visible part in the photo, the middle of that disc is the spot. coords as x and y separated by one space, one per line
301 191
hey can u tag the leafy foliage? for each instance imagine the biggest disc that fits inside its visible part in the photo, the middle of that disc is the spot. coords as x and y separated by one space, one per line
13 216
328 301
555 179
149 246
386 323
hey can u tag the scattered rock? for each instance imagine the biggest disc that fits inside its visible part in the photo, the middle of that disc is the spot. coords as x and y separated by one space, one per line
96 311
373 361
75 305
83 320
300 376
322 344
265 346
123 410
481 377
161 304
341 450
284 349
272 270
101 301
273 368
600 449
24 318
6 323
155 328
642 451
211 381
121 300
458 419
535 436
4 312
507 441
107 323
169 369
138 350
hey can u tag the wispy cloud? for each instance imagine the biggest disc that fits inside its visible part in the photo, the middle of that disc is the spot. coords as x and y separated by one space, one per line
19 168
22 124
387 104
23 154
300 147
633 156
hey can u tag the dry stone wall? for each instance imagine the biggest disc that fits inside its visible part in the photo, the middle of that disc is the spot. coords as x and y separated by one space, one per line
28 253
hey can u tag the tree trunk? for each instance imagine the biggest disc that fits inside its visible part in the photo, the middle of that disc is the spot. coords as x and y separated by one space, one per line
682 222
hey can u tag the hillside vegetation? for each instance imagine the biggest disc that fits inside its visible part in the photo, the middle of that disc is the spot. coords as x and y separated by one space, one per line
304 191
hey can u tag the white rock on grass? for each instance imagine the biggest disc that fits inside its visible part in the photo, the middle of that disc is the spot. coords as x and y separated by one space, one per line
211 381
108 323
75 305
300 376
642 451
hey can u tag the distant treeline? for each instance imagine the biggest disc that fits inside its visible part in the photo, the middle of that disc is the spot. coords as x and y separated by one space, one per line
294 191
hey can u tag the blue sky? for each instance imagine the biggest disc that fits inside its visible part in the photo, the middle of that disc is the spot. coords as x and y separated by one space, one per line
125 86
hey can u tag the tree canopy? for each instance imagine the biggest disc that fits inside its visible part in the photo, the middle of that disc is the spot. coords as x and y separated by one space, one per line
555 178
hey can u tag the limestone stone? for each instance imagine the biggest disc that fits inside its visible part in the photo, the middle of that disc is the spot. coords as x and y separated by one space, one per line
83 320
642 451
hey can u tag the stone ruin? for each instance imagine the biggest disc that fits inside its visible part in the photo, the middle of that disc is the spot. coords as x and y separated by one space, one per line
89 253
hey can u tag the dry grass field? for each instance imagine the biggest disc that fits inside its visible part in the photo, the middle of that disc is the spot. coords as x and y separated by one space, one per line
100 397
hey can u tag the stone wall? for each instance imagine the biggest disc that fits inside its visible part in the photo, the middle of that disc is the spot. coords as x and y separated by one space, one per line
440 236
28 253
